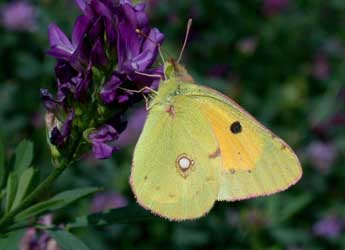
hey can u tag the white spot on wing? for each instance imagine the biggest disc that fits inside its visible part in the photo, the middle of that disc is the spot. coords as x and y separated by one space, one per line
184 163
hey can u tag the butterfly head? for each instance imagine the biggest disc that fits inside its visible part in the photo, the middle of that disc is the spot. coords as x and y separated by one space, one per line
174 70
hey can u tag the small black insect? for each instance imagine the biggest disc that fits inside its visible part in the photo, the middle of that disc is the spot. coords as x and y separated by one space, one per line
236 127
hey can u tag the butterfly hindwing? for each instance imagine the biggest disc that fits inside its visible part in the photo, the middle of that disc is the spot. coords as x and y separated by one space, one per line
173 133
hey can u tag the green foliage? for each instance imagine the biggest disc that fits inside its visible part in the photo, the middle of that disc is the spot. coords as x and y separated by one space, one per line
21 188
24 156
2 161
24 185
11 190
127 215
20 177
56 202
67 241
11 241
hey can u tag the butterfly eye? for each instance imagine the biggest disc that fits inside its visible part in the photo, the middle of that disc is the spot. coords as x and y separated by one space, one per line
236 127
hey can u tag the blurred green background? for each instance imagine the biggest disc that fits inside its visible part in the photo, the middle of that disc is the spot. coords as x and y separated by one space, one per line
282 60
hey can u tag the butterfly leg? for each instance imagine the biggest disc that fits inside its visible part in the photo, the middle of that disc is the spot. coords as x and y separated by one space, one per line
140 90
147 101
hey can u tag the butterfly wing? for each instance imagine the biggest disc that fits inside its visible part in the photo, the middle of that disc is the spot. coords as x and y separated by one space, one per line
160 184
255 162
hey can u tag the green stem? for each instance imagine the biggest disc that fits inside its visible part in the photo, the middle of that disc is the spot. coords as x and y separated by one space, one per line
36 193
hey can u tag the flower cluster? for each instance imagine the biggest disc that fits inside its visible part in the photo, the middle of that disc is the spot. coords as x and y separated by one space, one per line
107 200
112 49
35 239
330 226
18 16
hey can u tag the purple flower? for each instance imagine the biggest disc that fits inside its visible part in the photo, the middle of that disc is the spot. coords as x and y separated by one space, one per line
110 92
98 56
62 48
60 136
99 140
71 82
320 67
273 7
135 53
329 227
19 16
134 127
107 200
49 102
322 155
112 48
38 240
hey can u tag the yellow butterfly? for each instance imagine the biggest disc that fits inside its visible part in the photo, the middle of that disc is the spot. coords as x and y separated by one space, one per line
199 146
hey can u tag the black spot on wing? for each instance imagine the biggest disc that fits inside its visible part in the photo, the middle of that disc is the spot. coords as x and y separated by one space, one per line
236 127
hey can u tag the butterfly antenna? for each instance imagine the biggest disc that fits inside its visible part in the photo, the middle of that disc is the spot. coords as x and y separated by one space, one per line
139 31
189 25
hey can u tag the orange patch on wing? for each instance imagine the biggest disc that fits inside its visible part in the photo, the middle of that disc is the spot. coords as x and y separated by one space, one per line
239 151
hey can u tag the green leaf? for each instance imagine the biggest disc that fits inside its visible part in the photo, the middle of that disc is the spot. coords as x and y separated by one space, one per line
24 155
126 215
11 190
10 242
73 195
292 208
57 202
2 161
37 209
67 241
23 185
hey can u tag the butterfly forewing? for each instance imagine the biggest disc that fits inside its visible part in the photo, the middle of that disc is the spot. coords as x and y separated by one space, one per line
174 174
255 162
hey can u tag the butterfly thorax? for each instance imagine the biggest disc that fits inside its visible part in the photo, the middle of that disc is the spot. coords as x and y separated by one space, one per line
176 76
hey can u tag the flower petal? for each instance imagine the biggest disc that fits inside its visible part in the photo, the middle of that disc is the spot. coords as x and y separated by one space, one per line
58 137
104 134
155 37
98 56
102 150
99 140
128 46
59 53
80 27
48 100
108 92
58 39
83 86
82 4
